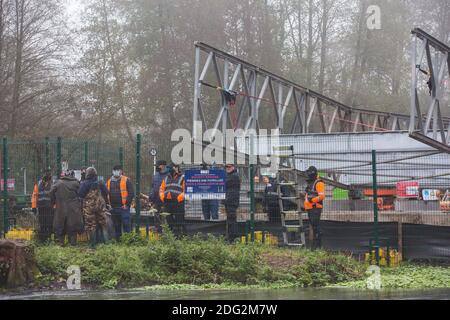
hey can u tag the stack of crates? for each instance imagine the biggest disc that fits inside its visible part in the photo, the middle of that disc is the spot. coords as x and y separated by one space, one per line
261 237
19 234
387 259
152 234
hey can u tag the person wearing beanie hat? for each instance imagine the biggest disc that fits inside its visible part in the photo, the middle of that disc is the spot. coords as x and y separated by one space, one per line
95 197
68 218
41 202
120 197
171 194
158 178
232 200
314 197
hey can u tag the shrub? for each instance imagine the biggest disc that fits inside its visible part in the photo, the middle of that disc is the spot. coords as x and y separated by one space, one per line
137 262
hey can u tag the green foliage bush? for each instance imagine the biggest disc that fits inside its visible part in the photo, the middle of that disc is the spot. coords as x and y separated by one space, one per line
408 276
135 262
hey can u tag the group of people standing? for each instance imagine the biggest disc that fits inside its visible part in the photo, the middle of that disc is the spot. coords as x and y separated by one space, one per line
167 195
69 207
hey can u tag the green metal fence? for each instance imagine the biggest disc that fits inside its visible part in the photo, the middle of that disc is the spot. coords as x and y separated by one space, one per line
364 210
23 163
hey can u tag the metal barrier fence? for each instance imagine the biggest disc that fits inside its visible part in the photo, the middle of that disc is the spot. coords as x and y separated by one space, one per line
391 198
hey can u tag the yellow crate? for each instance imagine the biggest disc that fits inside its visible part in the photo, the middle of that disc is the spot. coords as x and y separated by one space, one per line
258 236
19 234
273 241
152 235
269 239
394 258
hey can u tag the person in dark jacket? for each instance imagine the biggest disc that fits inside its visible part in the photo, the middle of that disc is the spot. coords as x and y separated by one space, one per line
210 208
233 189
94 195
120 195
41 204
171 194
271 199
161 174
83 174
68 216
314 197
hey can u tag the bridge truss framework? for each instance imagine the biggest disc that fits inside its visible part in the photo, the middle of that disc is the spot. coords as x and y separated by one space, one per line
247 93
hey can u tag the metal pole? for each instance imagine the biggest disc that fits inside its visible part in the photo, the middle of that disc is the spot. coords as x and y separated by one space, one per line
197 87
35 169
47 154
59 157
138 182
225 104
412 120
86 154
252 201
154 165
252 188
5 187
121 156
25 181
375 206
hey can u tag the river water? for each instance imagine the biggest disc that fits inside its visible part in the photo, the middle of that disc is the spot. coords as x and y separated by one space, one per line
281 294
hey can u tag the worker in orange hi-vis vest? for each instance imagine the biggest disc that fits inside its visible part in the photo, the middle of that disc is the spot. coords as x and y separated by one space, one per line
171 194
315 194
120 197
42 206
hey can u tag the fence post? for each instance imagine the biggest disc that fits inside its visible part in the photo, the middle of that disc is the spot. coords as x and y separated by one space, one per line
5 187
35 169
121 156
375 206
86 154
252 187
138 182
58 157
252 202
47 154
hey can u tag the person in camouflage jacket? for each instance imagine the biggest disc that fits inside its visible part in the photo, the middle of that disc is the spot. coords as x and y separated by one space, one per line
95 198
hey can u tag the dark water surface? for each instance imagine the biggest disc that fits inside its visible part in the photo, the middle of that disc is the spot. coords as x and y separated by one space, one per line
281 294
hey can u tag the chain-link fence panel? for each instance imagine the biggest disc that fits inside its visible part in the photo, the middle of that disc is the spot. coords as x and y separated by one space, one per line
406 213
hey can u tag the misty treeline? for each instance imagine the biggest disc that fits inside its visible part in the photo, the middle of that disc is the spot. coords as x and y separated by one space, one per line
128 67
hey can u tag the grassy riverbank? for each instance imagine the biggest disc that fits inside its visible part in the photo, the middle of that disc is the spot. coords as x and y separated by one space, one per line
409 276
195 264
208 263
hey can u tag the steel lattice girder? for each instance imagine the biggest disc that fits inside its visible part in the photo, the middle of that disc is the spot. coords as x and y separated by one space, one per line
347 157
437 55
313 112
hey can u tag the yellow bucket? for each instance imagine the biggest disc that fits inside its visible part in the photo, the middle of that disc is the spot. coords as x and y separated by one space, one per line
258 236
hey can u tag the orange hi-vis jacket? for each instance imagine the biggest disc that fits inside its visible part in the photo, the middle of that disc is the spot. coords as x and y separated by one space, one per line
34 197
315 194
123 189
172 188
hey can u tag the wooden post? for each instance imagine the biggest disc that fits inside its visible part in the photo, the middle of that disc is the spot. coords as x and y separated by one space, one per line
400 238
17 264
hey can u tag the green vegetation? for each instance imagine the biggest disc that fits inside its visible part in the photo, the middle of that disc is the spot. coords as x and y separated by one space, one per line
198 264
194 263
409 276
